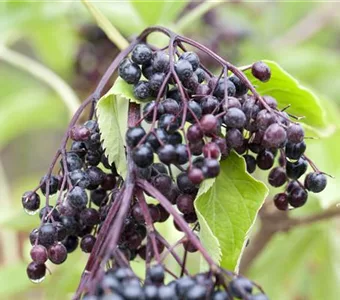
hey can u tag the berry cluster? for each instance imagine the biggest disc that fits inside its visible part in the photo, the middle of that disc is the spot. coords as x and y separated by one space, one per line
121 283
84 186
222 117
189 121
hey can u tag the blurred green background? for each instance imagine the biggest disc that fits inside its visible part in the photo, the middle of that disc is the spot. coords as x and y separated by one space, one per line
51 56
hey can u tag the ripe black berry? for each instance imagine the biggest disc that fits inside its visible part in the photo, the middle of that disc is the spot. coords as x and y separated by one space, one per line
160 61
143 156
234 118
185 185
277 177
274 137
295 133
239 287
209 124
209 104
77 197
79 178
281 201
57 253
296 169
185 203
142 90
192 58
297 197
141 54
261 71
98 197
250 163
241 88
35 271
156 274
183 69
129 71
30 201
196 175
211 168
315 182
234 138
53 184
47 235
294 151
167 154
71 243
87 243
265 159
134 135
170 123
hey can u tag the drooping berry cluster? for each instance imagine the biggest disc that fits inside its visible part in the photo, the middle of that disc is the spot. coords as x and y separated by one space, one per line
190 119
84 194
221 117
122 284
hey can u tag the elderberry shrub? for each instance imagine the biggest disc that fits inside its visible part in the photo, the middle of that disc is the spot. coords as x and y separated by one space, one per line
190 120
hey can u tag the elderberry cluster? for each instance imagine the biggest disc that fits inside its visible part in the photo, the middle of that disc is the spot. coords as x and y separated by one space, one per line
197 118
84 193
122 284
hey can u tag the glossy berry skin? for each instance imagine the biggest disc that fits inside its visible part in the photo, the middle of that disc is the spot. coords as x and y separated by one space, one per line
36 271
209 124
211 150
209 104
77 197
141 54
196 175
182 154
296 169
185 203
297 197
265 160
148 111
295 151
194 133
156 81
261 71
167 154
234 138
142 90
211 168
235 118
194 111
185 185
134 135
281 201
57 253
274 137
250 163
47 235
98 197
30 201
89 217
241 88
192 58
201 77
129 71
277 177
160 61
183 69
295 133
142 156
170 123
39 254
71 243
219 91
79 178
315 182
53 184
87 243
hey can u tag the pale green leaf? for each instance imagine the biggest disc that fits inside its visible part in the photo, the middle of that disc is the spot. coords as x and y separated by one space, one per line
287 91
124 90
229 208
113 139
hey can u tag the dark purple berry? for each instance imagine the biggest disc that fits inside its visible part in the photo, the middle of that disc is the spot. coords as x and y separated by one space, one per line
277 177
142 156
57 253
234 118
250 163
30 201
274 137
297 197
295 133
261 71
265 159
35 271
141 54
129 71
134 135
281 201
296 169
87 243
39 254
315 182
142 90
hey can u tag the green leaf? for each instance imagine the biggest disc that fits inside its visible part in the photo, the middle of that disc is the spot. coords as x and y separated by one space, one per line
229 209
113 138
287 90
149 12
125 90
